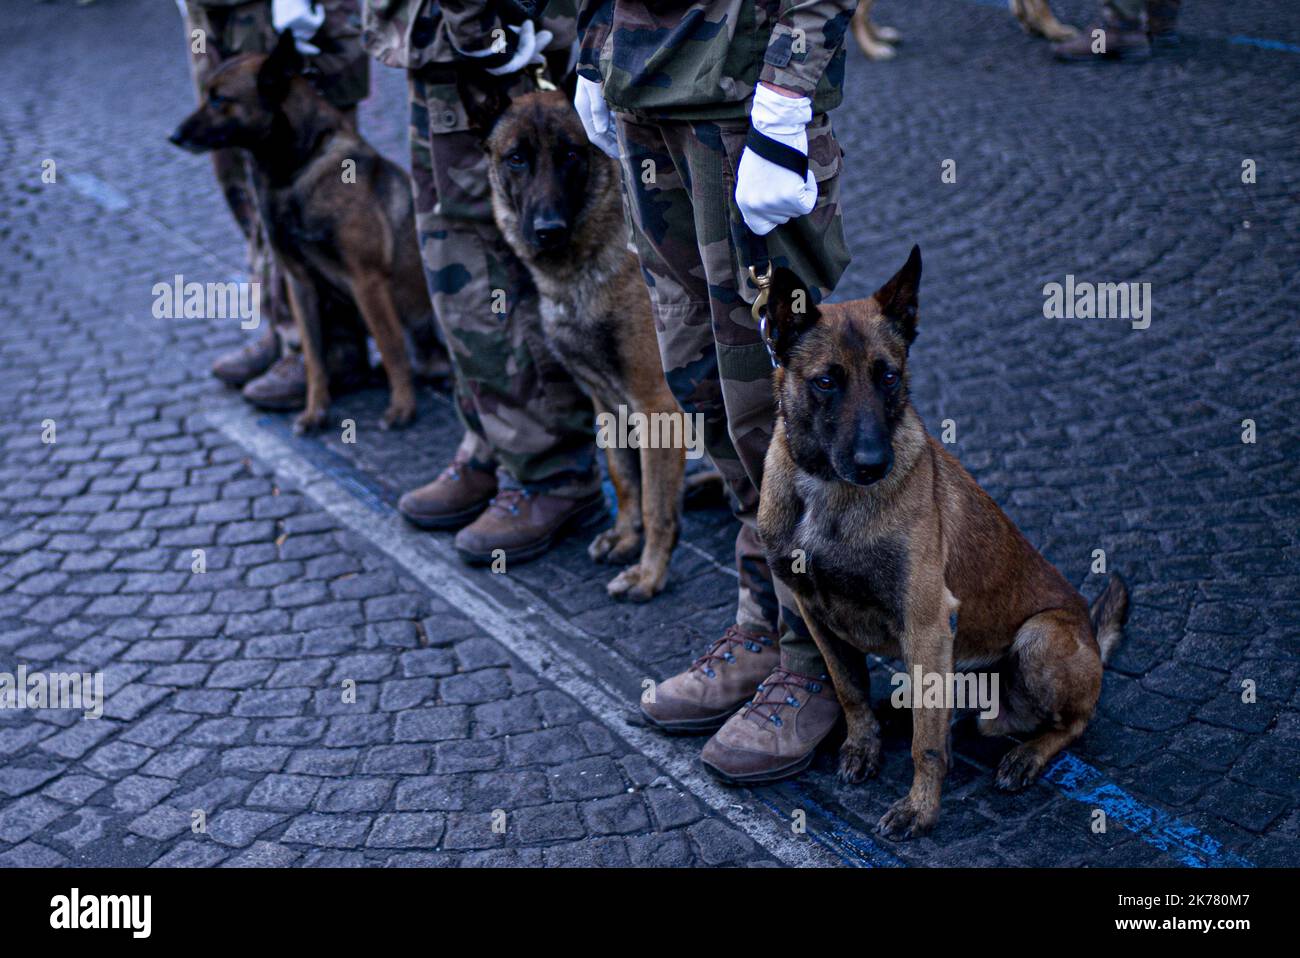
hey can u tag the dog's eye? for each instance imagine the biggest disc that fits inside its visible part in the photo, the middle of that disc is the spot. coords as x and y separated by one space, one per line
889 377
824 383
517 160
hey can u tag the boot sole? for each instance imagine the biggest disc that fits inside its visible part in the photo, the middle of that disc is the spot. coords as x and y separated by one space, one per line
447 521
761 778
297 402
294 404
700 726
588 516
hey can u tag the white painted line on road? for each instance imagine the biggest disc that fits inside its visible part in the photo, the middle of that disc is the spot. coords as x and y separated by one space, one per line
517 627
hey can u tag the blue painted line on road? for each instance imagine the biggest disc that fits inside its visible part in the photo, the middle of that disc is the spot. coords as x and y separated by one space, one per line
852 861
1264 44
1187 843
853 846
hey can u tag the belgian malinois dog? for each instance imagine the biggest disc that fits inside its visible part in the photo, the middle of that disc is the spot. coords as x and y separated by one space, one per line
891 547
558 203
339 217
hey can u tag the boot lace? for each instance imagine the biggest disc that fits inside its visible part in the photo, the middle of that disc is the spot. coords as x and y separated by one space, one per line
780 689
508 500
724 650
454 468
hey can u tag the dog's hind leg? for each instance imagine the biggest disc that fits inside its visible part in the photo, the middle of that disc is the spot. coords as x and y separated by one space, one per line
860 753
304 302
662 471
621 543
1055 682
375 301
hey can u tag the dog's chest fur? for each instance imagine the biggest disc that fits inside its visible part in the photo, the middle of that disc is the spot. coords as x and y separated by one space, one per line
854 578
582 321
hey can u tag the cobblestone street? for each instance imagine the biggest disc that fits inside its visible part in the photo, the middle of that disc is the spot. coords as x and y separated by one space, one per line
484 698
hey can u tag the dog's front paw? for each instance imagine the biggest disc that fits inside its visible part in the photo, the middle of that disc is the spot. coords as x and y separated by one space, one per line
907 818
638 583
398 414
859 760
615 546
310 420
1018 769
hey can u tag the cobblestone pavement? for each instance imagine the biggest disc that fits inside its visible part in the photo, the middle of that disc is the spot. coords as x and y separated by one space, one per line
480 694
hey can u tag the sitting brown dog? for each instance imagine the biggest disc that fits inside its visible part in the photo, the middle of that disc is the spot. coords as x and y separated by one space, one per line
891 547
339 217
557 200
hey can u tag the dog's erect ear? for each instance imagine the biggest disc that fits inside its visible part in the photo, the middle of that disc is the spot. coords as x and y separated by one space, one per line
790 311
282 64
897 298
485 98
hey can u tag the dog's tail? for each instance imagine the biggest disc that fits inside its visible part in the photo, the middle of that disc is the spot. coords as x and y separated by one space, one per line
1108 614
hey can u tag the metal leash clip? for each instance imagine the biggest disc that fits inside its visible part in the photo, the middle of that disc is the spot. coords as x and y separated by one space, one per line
759 309
539 78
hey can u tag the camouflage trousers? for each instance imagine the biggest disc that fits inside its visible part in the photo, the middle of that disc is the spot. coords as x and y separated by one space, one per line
520 409
341 72
680 182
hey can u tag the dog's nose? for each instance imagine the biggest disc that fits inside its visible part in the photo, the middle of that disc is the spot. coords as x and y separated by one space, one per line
176 139
551 232
871 465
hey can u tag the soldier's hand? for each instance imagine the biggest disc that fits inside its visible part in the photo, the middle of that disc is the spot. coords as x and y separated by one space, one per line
302 18
597 120
528 51
766 193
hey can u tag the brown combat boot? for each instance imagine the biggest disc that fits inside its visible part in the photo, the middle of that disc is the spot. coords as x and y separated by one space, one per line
282 388
1123 39
776 735
240 366
716 684
524 525
454 499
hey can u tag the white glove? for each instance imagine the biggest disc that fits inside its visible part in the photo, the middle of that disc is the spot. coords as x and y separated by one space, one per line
597 120
301 18
528 51
769 195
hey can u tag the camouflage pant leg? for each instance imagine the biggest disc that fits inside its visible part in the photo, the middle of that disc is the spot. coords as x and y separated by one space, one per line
525 411
681 184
